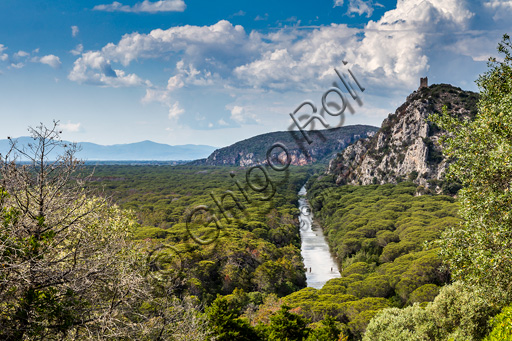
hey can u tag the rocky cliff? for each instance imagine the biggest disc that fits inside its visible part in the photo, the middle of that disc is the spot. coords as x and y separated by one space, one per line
406 146
325 145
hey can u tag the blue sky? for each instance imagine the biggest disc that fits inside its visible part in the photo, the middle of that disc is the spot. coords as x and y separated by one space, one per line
215 72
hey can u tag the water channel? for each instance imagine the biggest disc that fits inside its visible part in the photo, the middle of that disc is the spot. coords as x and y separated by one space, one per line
318 260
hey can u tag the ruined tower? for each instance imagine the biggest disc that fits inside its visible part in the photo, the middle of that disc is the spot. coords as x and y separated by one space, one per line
423 83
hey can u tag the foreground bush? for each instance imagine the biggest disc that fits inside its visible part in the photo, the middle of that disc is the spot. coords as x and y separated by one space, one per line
457 313
69 268
502 326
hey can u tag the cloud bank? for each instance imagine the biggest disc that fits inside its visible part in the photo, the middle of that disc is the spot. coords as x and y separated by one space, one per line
144 7
389 53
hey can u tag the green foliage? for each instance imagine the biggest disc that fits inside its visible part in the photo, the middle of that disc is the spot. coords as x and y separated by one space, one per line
412 176
400 325
501 326
258 249
424 270
69 267
374 285
425 293
394 250
226 323
328 331
370 227
360 268
457 313
358 325
379 223
378 233
287 326
480 249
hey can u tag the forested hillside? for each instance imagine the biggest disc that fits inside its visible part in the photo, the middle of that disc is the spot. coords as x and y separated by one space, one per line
325 143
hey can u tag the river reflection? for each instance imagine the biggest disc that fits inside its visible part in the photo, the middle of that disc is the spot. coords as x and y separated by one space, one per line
318 261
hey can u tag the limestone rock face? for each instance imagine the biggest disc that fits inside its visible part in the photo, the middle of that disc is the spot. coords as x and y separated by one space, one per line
406 146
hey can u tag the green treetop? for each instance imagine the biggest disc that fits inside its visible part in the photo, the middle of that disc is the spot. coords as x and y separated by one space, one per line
479 251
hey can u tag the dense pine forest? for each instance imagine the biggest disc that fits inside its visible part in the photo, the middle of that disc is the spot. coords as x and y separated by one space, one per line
377 232
257 251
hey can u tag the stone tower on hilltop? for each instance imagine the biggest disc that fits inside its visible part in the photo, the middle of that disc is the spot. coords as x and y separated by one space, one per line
423 83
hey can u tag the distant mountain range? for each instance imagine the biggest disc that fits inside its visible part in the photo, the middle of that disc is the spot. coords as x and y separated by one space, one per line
325 145
145 150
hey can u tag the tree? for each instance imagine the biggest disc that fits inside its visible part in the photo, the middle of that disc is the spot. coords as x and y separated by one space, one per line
457 313
502 326
288 326
68 267
328 331
226 323
479 250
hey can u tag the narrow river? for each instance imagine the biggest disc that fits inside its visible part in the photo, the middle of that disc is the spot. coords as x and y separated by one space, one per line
318 260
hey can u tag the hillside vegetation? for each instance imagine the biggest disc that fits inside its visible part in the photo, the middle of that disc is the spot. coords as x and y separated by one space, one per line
258 250
324 145
478 249
378 235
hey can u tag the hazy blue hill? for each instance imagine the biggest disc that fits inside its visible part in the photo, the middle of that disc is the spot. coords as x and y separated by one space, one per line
145 150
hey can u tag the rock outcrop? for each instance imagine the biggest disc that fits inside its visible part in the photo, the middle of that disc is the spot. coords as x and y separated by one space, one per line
406 146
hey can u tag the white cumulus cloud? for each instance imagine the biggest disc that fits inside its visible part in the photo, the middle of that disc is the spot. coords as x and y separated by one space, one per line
3 56
220 41
175 110
298 59
74 31
236 114
77 50
395 47
208 50
21 54
51 60
502 9
500 4
164 97
71 127
145 6
388 54
361 7
240 115
389 51
94 68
